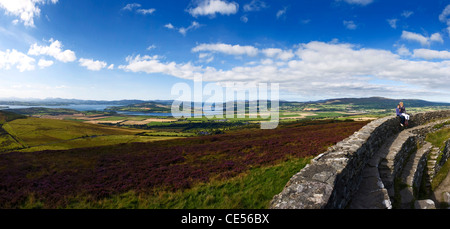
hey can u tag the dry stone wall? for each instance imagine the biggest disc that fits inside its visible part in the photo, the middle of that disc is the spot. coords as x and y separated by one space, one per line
332 178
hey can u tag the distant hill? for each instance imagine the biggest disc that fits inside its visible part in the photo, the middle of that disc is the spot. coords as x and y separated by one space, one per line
164 105
62 102
380 102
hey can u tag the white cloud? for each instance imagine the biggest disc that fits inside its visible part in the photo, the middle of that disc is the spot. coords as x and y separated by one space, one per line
111 67
281 12
151 64
93 65
54 50
213 7
317 68
43 63
146 11
206 57
358 2
279 53
26 10
431 54
183 30
18 59
407 14
393 22
339 69
244 18
255 5
137 6
169 26
436 37
403 51
305 21
350 25
194 25
227 49
131 6
444 17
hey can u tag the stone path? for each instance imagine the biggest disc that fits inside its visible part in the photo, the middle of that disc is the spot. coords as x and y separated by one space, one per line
412 175
397 160
372 194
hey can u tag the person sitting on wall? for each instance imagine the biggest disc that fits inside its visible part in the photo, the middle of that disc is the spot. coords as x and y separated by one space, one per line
401 112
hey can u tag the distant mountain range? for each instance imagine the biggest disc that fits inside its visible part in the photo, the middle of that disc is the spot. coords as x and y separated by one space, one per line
367 103
381 103
59 102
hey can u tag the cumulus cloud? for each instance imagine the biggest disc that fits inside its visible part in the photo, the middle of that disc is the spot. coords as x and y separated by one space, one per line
43 63
26 10
431 54
54 50
152 64
278 53
423 40
93 65
403 51
329 69
213 7
21 61
227 49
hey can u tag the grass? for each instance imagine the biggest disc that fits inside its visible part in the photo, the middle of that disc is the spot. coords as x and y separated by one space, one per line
36 134
241 169
441 175
252 190
173 134
36 131
7 143
439 138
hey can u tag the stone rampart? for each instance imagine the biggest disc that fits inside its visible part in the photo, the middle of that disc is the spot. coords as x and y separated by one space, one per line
332 178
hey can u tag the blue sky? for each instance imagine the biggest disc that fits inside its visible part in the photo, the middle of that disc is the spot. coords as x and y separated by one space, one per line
111 49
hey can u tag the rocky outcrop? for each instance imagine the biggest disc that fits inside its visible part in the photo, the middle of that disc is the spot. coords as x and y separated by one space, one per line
333 178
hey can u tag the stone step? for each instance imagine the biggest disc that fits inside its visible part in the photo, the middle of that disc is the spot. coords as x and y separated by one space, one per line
434 156
412 174
371 193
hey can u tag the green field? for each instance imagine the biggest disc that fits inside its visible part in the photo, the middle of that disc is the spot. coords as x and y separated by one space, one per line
35 134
